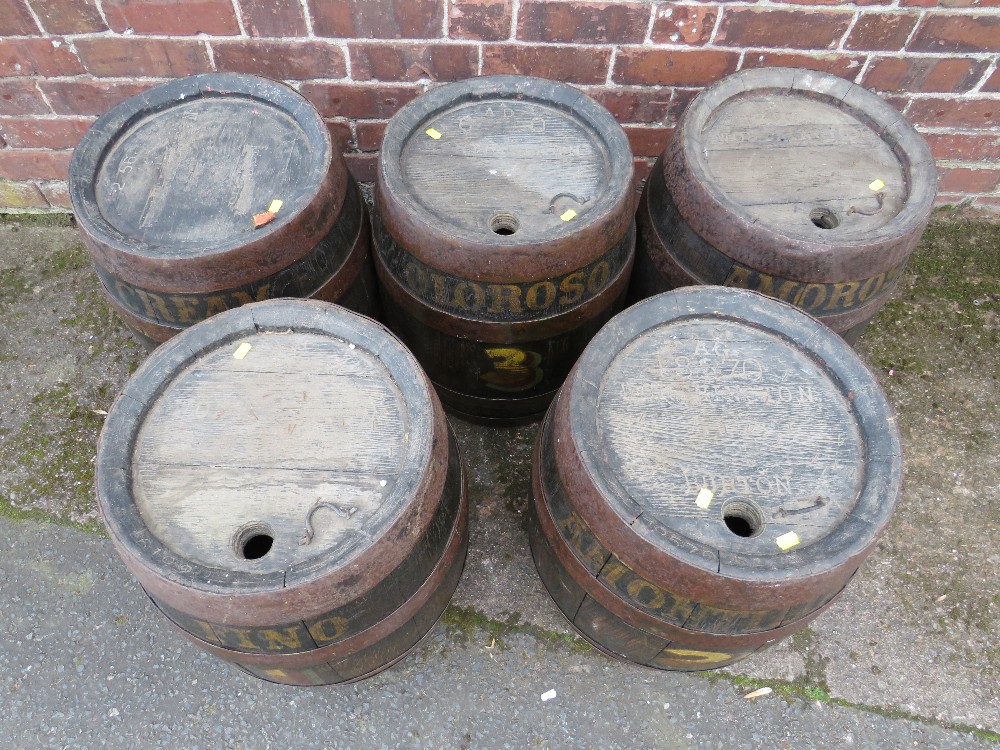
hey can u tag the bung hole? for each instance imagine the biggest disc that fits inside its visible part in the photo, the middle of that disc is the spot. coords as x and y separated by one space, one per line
743 519
824 218
253 542
504 223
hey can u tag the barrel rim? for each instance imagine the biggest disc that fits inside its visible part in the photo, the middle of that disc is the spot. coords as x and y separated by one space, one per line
494 258
882 475
699 199
268 247
164 572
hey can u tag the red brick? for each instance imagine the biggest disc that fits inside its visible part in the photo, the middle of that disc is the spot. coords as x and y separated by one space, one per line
358 100
410 62
647 141
89 97
370 135
340 132
281 60
21 195
673 67
37 57
965 180
15 20
362 167
69 16
633 104
926 74
109 56
845 66
483 20
752 27
35 132
684 24
21 97
881 31
273 17
964 147
35 165
582 22
958 33
918 3
385 19
173 18
971 114
570 64
993 82
681 99
56 192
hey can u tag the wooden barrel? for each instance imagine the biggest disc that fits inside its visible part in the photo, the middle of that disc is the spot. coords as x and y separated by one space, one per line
793 183
503 235
712 474
282 481
208 192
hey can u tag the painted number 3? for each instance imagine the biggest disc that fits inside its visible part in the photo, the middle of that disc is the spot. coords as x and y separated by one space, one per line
513 369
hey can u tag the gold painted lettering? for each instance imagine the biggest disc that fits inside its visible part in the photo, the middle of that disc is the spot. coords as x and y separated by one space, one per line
329 629
598 277
468 295
811 296
187 309
571 288
871 286
693 656
504 298
842 295
278 640
644 593
236 637
215 305
245 299
548 294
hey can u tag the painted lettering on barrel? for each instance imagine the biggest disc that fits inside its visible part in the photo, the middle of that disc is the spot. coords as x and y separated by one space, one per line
510 301
816 298
513 369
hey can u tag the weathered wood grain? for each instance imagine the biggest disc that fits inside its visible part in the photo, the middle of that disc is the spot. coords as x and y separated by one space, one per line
281 480
502 236
796 184
712 474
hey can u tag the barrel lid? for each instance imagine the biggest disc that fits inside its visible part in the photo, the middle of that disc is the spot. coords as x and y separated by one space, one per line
805 154
266 446
178 172
736 433
498 163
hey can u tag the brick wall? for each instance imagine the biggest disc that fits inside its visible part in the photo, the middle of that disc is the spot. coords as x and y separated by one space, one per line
63 62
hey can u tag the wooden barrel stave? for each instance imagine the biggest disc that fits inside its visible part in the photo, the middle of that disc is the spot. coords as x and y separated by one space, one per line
173 242
323 604
376 648
598 553
693 230
341 265
466 291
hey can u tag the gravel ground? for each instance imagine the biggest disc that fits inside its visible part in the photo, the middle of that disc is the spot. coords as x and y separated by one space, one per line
910 656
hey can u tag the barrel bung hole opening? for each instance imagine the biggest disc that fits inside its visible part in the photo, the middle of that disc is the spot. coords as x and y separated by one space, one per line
504 223
824 218
743 518
253 541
